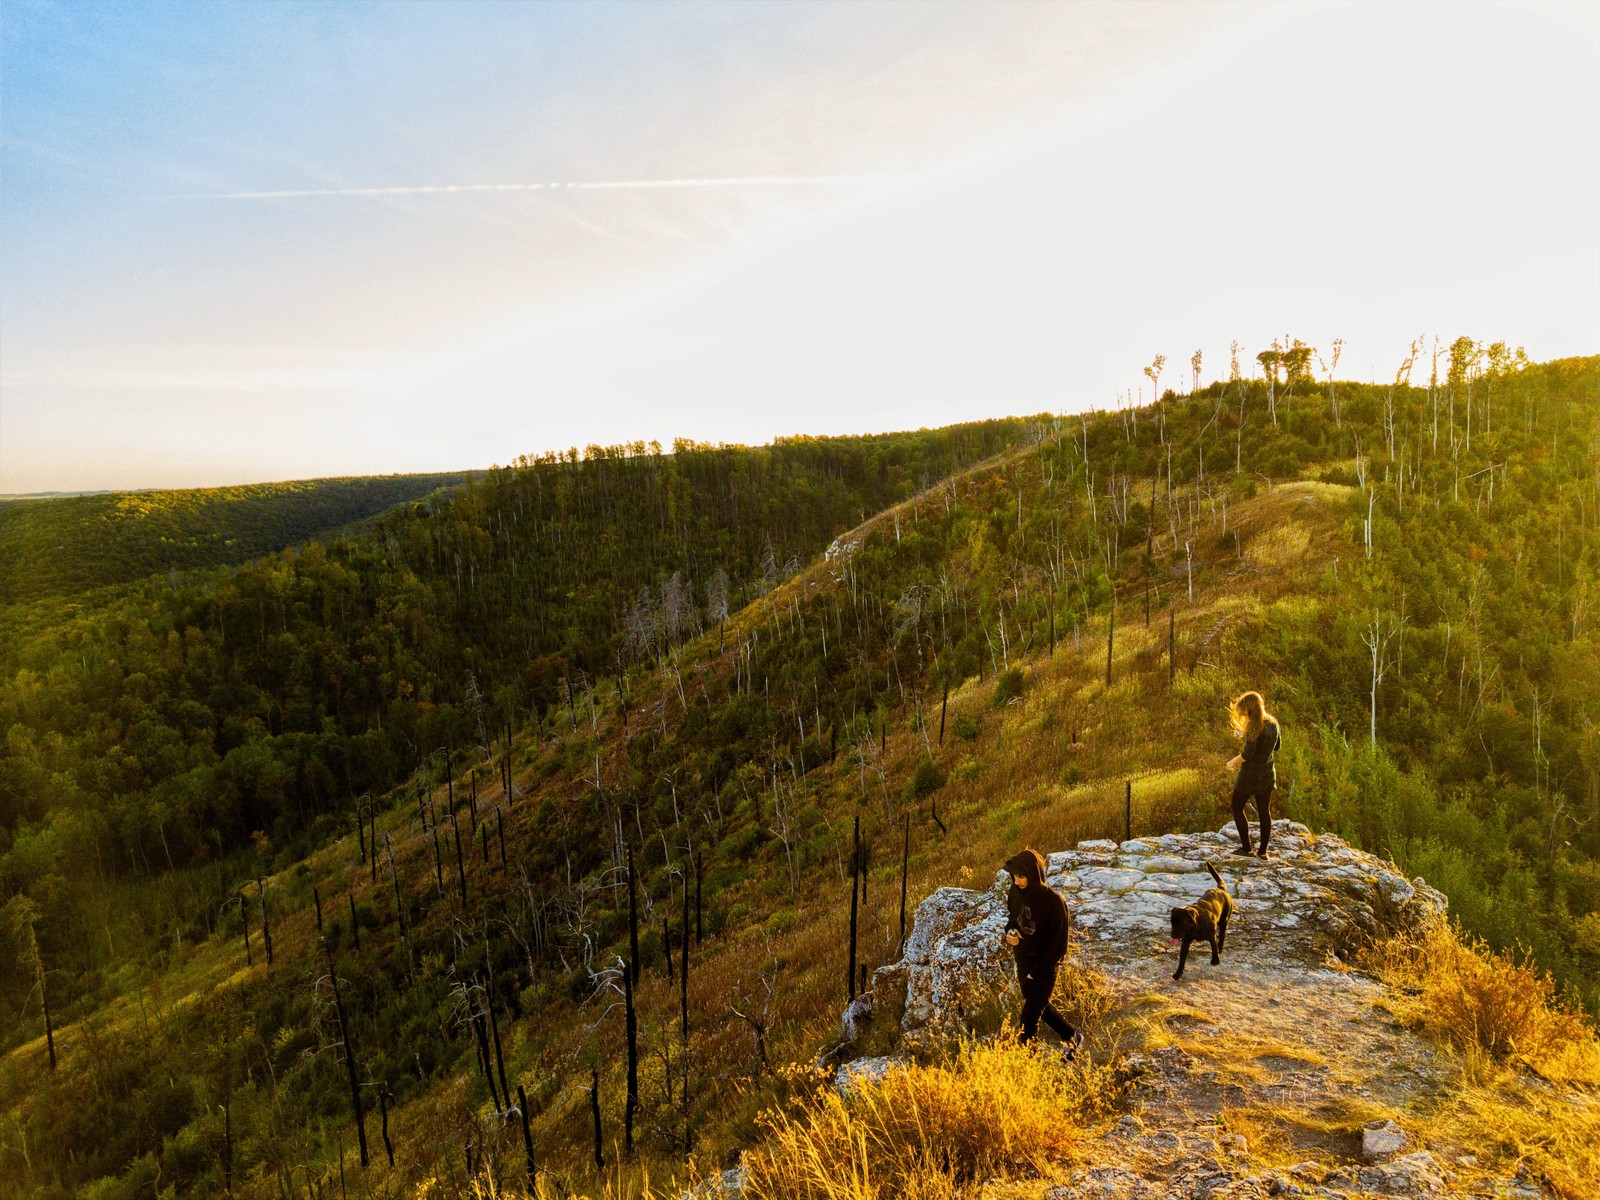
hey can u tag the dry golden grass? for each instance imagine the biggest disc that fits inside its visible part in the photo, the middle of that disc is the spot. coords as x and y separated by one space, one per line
1507 1118
1463 993
995 1108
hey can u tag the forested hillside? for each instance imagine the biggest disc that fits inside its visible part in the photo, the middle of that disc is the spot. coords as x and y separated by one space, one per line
61 545
458 751
157 729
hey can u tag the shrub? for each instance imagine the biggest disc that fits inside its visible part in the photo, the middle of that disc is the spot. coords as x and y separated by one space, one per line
1007 687
1464 992
965 726
995 1108
925 780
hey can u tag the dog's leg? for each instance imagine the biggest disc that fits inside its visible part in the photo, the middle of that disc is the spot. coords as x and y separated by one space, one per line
1183 957
1216 950
1222 933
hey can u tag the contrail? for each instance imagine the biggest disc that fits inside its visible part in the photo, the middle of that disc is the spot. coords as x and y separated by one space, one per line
433 189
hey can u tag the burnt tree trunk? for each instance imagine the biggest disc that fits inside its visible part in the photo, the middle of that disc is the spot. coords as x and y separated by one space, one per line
461 870
349 1057
266 929
527 1136
594 1093
905 867
855 903
1111 641
383 1109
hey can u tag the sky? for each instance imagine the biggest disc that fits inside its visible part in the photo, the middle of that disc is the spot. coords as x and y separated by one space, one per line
243 242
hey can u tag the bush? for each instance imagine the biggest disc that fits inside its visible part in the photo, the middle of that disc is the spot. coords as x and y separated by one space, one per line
925 780
1464 992
965 726
1007 687
996 1108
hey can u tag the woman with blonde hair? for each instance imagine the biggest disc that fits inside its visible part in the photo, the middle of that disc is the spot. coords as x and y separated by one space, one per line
1257 776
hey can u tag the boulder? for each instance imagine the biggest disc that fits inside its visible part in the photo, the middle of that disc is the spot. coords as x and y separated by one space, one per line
1381 1139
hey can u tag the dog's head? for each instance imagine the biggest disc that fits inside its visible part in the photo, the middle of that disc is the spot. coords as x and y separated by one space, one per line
1183 923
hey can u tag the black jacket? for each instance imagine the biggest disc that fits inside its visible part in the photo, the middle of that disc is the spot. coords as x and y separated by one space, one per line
1037 913
1257 770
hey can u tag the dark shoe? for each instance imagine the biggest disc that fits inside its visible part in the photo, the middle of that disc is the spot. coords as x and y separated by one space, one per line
1261 853
1243 850
1070 1048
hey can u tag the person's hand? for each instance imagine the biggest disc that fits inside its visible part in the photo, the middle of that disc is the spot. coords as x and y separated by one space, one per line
1236 761
1012 938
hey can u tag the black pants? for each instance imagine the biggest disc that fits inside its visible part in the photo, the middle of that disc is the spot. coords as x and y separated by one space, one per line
1261 793
1038 982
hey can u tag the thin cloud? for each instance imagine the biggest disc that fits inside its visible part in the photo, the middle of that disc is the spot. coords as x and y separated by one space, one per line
444 189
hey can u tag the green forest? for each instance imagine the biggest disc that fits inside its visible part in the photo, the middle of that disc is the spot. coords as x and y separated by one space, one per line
62 545
347 837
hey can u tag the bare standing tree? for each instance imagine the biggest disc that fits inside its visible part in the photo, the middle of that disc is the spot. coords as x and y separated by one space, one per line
1154 372
1270 360
753 1006
1377 636
717 597
1235 378
23 919
1328 368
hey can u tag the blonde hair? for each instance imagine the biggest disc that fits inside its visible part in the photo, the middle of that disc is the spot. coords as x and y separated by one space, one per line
1248 714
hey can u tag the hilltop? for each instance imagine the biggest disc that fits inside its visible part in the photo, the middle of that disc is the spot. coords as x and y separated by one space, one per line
442 761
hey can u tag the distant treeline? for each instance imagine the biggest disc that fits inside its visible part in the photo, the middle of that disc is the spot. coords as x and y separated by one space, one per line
61 545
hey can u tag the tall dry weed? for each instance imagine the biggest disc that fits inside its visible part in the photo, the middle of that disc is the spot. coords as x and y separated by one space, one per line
1466 994
931 1131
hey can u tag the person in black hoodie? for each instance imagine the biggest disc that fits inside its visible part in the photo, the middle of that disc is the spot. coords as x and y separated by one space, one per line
1036 928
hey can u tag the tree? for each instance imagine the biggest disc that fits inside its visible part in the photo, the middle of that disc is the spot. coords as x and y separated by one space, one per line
1377 636
1270 361
23 921
1328 368
1153 371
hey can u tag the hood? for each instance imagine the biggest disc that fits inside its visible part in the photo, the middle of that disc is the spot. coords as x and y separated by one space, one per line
1030 865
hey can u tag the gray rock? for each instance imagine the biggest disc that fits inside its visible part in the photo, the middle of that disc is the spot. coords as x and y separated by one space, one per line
857 1016
864 1070
1381 1139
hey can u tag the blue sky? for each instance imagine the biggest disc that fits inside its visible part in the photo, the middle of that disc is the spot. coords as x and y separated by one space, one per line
902 215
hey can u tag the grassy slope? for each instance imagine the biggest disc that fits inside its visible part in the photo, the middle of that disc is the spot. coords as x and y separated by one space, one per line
62 545
1007 784
1005 788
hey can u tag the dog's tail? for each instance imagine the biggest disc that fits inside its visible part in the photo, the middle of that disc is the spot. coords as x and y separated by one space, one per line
1217 877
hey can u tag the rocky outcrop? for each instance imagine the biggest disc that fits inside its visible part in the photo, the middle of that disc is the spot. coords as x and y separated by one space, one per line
1315 898
1282 1024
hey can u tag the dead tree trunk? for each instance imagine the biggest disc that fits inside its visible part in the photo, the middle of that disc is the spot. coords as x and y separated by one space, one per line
855 901
594 1093
630 976
461 870
349 1056
383 1109
527 1139
266 930
1111 641
905 867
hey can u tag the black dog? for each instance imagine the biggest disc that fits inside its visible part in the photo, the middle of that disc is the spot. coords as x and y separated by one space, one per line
1206 919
